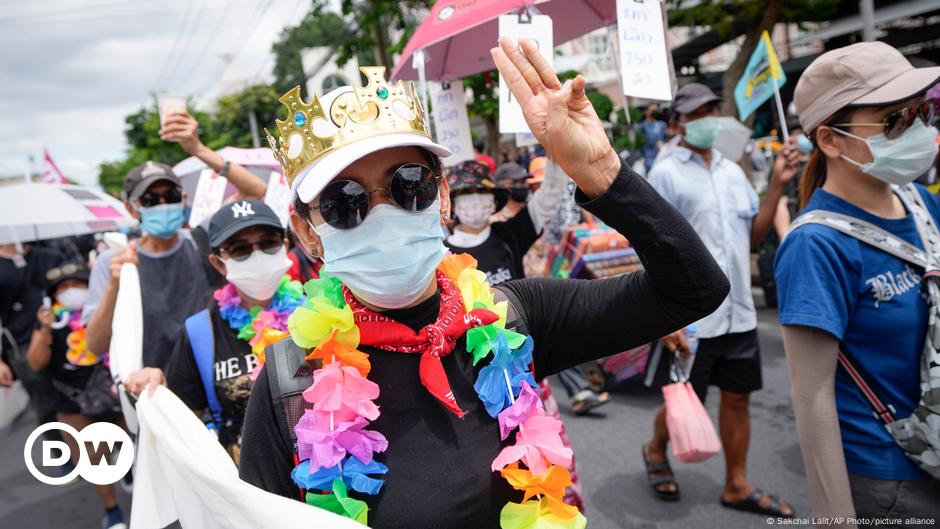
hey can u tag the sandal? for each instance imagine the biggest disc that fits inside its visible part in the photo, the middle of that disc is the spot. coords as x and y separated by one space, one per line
656 481
753 504
592 402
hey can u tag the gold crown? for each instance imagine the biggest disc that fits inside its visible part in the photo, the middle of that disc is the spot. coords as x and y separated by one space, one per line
310 133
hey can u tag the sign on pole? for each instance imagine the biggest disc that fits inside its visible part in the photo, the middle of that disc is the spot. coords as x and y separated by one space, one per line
451 124
210 192
278 196
537 28
762 77
644 63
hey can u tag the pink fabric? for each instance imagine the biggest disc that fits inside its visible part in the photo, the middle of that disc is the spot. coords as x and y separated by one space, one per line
691 433
457 34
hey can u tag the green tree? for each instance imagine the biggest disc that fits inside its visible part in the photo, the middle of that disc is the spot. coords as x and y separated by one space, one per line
603 105
730 18
484 104
318 28
230 125
375 22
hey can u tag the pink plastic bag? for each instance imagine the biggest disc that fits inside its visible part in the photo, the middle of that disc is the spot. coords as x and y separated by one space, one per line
691 432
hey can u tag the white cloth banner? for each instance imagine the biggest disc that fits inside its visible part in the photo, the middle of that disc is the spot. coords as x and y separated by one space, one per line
644 64
184 474
539 29
127 336
451 124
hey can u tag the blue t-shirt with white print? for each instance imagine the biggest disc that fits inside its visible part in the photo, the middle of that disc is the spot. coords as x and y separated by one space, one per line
873 303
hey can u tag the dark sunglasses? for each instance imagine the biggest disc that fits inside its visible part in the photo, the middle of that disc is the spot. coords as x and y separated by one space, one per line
344 204
63 271
172 196
900 120
240 251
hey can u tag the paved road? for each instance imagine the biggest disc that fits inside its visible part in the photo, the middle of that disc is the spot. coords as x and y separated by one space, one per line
608 448
611 468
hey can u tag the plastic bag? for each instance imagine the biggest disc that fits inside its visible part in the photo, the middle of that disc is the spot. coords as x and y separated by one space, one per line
691 432
13 401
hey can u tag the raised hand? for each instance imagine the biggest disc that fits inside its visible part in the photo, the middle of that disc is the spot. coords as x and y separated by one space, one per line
560 116
182 128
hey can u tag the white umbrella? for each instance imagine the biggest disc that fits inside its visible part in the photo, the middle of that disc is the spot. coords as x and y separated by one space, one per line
35 212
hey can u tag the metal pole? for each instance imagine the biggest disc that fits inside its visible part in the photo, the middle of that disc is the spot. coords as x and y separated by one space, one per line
253 124
783 117
867 10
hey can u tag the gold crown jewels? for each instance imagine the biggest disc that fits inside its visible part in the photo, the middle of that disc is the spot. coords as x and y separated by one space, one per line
364 112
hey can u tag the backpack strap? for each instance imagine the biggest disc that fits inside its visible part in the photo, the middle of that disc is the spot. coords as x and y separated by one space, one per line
202 342
289 374
882 412
864 231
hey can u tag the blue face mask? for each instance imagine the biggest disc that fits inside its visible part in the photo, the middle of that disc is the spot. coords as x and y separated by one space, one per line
388 260
804 144
702 132
162 220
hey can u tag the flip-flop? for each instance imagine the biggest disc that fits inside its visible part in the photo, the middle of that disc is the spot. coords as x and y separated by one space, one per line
590 403
656 481
752 504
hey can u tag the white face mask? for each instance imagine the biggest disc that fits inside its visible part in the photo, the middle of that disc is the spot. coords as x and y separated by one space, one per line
474 210
260 274
73 298
901 160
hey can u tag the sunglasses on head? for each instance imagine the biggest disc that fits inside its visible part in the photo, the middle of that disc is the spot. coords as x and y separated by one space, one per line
900 120
150 199
241 250
63 271
344 204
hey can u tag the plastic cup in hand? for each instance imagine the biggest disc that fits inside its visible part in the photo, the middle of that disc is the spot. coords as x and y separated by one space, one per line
168 103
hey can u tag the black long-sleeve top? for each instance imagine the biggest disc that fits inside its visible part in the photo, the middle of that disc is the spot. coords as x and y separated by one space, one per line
439 465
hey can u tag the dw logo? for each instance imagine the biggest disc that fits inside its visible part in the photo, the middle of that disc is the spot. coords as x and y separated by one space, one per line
106 453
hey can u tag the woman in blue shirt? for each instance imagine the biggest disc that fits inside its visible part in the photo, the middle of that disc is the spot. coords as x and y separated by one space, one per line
862 106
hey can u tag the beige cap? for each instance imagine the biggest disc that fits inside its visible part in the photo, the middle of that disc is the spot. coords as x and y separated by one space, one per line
864 74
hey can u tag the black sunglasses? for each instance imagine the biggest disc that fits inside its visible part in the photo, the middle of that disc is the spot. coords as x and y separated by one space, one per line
344 204
900 120
240 251
172 196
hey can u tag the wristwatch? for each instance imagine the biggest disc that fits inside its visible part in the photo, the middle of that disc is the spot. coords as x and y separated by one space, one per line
224 172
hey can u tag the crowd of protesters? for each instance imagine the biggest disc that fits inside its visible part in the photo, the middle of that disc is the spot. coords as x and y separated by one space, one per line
854 274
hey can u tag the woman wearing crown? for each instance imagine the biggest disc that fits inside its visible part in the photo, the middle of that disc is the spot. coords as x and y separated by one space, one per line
420 410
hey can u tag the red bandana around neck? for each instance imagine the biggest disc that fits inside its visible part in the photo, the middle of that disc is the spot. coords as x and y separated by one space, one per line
432 342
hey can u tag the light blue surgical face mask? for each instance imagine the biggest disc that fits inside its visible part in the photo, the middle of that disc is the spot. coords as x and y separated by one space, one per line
162 220
702 132
388 260
901 160
804 144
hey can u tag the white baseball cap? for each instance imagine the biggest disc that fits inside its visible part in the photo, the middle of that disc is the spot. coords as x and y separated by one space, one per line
313 178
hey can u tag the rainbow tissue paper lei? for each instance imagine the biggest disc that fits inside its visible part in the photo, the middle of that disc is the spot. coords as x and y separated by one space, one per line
78 353
336 450
260 327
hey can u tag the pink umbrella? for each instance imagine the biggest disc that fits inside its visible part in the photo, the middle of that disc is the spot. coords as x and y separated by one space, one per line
458 34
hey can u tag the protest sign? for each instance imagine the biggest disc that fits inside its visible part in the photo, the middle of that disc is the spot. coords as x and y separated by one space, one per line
278 196
762 79
451 124
537 28
644 64
210 192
